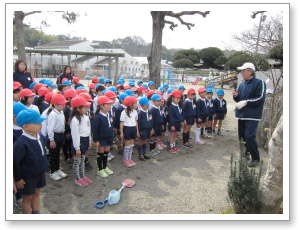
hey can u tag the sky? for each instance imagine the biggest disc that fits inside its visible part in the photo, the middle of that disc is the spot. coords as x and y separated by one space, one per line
106 22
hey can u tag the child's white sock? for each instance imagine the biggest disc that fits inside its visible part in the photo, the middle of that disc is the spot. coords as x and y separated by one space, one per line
197 134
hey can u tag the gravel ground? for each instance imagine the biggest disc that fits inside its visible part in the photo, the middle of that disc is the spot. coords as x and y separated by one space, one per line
192 181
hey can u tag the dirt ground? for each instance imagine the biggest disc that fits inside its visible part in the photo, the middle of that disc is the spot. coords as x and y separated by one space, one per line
192 181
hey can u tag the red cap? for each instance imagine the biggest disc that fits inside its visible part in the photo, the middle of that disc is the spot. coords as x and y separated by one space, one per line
38 86
92 86
201 90
150 93
104 100
79 101
95 80
70 93
176 93
79 91
142 88
26 93
49 96
64 79
17 85
43 91
134 89
86 96
117 86
191 91
58 99
110 94
127 87
128 101
76 80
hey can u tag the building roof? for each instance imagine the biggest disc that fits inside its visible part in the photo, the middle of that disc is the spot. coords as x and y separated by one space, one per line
83 59
61 44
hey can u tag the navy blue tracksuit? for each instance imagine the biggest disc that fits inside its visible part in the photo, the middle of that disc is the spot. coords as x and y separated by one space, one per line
253 91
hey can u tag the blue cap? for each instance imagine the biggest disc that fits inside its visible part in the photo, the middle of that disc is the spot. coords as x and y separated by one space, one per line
165 85
112 88
161 89
144 101
18 107
49 83
29 116
104 91
170 90
122 79
155 97
123 96
139 81
107 81
209 90
80 87
32 85
145 85
131 84
150 83
129 92
131 80
220 92
43 81
66 83
181 87
119 82
101 79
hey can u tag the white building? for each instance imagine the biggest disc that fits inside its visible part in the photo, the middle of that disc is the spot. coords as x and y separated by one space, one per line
145 66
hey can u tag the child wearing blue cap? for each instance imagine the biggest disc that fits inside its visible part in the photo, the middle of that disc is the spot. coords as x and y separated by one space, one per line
29 160
108 83
157 118
220 110
211 111
151 85
99 89
145 128
139 83
165 93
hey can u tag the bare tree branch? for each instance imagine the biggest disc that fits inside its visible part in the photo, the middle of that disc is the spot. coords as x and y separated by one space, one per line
172 26
178 16
256 13
32 12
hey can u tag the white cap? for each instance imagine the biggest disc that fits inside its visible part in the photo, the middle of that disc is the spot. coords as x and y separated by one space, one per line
247 65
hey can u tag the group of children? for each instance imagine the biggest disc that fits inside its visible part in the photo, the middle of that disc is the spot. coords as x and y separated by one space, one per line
46 122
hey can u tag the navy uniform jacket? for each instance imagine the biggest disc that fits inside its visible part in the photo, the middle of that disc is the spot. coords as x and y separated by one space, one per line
254 92
24 78
62 76
42 107
112 114
220 106
67 112
117 117
165 114
17 133
145 120
201 108
102 127
189 109
175 115
210 106
29 157
157 116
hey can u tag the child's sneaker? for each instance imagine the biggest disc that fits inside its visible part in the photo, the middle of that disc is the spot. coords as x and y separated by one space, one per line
88 166
159 147
187 145
132 162
128 164
163 145
200 142
61 173
177 149
146 156
55 176
102 173
18 203
108 171
173 150
204 135
155 152
110 156
87 180
214 133
142 158
81 183
219 133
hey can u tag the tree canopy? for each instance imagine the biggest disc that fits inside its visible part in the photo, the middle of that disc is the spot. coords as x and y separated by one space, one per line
209 56
277 52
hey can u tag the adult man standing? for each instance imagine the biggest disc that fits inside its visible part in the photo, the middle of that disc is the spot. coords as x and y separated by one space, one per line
250 98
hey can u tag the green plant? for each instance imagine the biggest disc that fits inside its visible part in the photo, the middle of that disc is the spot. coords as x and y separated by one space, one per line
227 211
244 186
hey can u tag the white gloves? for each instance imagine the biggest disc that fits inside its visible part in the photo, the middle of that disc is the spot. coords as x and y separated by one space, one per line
241 104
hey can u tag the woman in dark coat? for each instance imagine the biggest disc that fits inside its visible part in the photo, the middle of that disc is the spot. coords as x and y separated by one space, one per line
67 73
21 75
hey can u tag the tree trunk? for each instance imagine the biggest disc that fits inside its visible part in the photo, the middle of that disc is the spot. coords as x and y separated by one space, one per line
272 186
155 56
19 17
